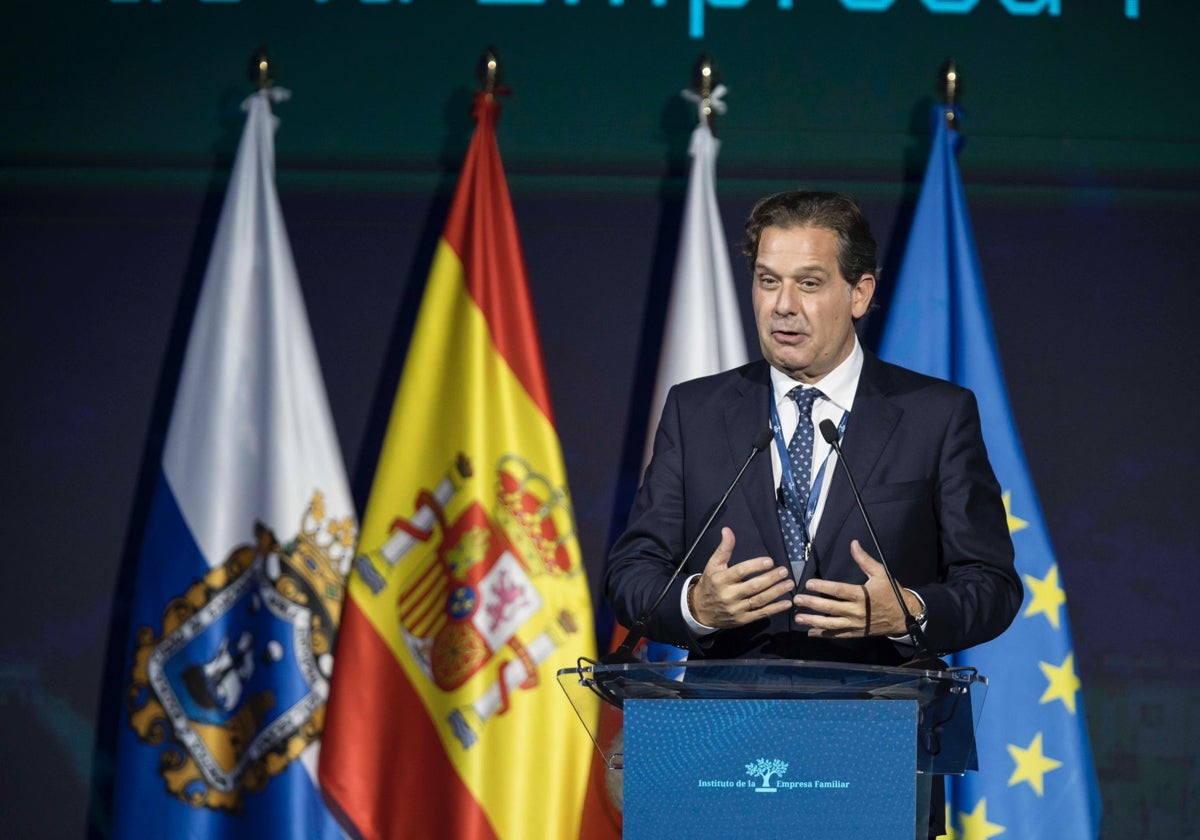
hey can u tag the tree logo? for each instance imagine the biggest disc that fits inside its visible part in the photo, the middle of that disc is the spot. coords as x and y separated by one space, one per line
765 769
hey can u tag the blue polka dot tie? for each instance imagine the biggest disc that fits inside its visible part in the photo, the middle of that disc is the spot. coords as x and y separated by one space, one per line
800 453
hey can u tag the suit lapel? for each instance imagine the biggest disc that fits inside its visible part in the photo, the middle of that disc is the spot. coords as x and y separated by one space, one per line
745 416
868 431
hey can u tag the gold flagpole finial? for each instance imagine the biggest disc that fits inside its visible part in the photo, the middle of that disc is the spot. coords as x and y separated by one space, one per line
949 89
704 81
260 71
489 73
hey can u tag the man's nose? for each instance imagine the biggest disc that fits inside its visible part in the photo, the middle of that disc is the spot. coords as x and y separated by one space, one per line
787 300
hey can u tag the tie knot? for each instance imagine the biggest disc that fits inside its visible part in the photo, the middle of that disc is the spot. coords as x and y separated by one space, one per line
805 397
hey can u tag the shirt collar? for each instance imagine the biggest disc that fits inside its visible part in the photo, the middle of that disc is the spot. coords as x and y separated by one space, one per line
838 385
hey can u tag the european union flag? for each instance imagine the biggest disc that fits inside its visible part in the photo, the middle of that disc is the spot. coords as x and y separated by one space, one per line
1036 778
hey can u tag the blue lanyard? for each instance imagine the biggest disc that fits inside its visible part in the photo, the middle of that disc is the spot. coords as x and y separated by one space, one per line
791 496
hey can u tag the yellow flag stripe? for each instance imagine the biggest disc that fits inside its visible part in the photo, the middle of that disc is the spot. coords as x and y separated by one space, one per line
528 765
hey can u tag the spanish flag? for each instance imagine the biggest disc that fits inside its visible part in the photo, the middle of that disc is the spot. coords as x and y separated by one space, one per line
468 592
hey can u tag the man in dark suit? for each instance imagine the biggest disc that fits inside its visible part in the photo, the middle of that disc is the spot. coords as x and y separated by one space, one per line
788 568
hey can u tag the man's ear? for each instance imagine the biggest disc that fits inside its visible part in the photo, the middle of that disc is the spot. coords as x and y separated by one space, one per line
861 295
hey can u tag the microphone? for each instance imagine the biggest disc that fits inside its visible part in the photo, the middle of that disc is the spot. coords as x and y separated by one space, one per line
624 654
830 433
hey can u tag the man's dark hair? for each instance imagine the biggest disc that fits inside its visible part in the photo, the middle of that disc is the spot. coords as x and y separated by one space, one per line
809 208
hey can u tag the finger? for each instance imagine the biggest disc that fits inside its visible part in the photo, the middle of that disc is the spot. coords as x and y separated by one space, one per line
835 617
720 557
832 607
763 606
745 601
773 608
870 566
776 592
746 577
830 626
761 574
834 589
762 596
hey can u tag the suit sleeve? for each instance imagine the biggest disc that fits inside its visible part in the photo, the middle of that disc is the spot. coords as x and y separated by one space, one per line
641 562
978 592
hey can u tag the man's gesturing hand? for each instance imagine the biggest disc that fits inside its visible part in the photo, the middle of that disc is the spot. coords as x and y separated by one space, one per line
732 595
847 610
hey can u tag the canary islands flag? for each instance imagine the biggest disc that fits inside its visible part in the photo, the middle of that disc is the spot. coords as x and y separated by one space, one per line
468 593
250 534
1036 778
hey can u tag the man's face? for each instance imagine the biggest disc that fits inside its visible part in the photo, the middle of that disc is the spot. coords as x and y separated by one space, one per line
803 306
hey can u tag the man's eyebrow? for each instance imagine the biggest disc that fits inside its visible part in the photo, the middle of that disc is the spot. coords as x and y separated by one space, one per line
813 268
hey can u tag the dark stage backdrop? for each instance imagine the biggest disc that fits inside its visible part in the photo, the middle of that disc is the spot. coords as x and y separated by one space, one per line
1082 169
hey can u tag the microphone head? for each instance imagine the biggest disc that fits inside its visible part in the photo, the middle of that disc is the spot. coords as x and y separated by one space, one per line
829 432
763 439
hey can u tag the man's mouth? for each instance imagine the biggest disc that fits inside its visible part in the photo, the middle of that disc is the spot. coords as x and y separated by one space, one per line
784 336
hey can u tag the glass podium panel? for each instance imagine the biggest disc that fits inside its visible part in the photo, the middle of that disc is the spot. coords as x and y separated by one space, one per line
949 701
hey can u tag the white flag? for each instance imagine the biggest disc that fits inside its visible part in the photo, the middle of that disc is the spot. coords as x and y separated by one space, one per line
703 332
250 533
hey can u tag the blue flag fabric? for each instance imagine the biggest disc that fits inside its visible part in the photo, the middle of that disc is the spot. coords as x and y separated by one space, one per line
1036 777
251 529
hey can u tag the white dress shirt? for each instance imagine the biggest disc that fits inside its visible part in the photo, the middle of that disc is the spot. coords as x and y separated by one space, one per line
838 387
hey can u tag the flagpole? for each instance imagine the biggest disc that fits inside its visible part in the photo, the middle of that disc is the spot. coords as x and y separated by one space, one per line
251 499
437 709
704 80
489 75
949 89
260 71
1036 777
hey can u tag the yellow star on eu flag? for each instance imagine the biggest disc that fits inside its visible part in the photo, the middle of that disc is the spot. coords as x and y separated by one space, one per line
1048 596
1014 523
1063 684
975 825
1032 765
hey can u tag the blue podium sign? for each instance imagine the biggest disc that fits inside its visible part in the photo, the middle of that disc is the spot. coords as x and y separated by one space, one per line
748 768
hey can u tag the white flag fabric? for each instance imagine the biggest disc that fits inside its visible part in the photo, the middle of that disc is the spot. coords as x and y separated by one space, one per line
703 331
702 335
250 533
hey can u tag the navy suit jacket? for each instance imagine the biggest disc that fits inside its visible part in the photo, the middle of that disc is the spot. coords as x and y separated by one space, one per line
916 451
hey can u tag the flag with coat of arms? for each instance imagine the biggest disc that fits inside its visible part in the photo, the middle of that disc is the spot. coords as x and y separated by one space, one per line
251 530
468 592
1036 778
